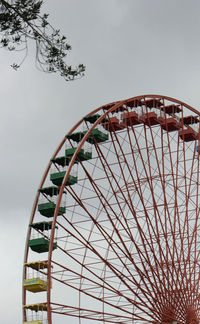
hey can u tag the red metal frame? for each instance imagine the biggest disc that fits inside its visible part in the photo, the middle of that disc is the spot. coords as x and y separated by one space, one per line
128 242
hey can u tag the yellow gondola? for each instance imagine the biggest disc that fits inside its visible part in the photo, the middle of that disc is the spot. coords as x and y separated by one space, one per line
36 284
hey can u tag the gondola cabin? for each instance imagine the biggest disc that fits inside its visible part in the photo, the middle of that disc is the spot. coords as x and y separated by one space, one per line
130 118
36 281
188 134
35 285
114 125
40 245
47 209
170 124
34 317
150 119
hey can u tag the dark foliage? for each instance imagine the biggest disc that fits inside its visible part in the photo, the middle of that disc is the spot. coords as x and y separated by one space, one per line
20 22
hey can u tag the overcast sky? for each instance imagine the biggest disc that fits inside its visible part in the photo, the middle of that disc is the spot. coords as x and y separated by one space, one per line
129 47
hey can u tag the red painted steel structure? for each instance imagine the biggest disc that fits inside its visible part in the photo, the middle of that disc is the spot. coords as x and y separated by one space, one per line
128 243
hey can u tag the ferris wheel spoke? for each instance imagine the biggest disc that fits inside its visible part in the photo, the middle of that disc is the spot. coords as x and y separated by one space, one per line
115 274
158 167
146 271
195 231
112 244
95 315
175 217
156 211
153 269
151 228
110 289
180 272
187 226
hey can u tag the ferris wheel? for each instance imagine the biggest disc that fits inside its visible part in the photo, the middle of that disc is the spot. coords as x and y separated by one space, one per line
114 235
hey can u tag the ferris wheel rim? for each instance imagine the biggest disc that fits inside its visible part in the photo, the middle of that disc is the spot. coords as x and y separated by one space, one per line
114 106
